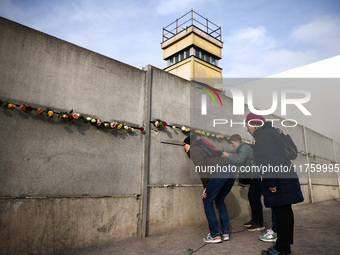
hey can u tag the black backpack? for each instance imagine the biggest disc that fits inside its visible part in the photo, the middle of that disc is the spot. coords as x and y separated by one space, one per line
289 146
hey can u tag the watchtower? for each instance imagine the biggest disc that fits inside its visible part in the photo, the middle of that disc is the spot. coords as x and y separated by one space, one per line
192 47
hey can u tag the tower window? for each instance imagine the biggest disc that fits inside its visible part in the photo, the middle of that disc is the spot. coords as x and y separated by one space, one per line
182 56
187 53
197 53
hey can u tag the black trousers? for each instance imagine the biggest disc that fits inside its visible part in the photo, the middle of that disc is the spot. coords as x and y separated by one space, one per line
285 227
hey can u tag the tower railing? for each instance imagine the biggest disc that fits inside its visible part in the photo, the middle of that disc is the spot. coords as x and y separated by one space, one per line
192 18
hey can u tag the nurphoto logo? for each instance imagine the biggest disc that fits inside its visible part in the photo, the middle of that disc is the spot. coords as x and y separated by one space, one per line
279 98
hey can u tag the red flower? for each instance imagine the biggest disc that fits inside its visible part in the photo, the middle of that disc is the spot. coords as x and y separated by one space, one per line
70 117
40 110
29 108
164 124
22 107
141 129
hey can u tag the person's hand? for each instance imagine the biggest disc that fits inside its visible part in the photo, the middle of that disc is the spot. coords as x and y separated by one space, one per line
204 195
225 154
272 189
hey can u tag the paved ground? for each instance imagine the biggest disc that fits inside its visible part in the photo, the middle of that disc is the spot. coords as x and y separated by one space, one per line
317 231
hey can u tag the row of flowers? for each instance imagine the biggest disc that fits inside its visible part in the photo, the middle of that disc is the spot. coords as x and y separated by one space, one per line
310 155
71 116
314 156
162 124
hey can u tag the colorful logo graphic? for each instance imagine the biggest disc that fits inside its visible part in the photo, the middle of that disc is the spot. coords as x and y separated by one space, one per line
208 92
204 97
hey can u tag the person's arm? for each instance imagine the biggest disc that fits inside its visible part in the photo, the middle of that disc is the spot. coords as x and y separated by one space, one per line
240 158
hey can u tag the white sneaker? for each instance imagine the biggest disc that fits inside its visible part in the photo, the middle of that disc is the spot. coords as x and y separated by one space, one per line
225 236
269 236
210 239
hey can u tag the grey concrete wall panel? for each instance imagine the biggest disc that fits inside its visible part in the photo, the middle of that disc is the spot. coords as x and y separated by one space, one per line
169 164
319 144
56 226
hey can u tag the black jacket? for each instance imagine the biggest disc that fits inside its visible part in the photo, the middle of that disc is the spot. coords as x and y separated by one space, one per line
269 155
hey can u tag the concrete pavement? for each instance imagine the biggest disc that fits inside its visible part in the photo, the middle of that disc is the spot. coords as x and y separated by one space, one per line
317 231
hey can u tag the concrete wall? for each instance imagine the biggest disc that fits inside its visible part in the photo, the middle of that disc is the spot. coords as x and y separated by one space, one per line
50 226
70 185
42 157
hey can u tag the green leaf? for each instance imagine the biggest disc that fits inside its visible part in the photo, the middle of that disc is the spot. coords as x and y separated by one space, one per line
189 251
4 104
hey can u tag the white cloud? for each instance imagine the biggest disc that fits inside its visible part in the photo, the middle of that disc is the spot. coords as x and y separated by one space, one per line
324 33
252 52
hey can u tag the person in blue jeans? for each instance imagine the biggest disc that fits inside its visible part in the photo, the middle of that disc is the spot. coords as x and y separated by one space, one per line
216 188
245 157
216 191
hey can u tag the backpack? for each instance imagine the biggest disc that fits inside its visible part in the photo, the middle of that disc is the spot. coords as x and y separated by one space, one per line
290 149
208 148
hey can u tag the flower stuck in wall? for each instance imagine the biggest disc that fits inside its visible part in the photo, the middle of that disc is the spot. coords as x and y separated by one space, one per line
159 123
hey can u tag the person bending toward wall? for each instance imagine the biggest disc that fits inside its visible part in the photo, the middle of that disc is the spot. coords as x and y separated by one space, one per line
280 190
216 188
245 157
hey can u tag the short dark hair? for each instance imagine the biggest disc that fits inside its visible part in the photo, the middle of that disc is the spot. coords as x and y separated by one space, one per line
235 138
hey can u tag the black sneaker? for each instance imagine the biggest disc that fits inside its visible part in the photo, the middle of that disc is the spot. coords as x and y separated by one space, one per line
255 227
249 223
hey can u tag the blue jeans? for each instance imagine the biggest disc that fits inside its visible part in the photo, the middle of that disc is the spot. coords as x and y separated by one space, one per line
217 190
254 197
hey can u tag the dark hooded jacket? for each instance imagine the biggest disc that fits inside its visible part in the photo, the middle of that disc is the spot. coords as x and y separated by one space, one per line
268 154
200 158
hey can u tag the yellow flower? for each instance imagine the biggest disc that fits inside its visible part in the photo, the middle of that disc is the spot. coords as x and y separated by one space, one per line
50 113
11 105
119 126
203 133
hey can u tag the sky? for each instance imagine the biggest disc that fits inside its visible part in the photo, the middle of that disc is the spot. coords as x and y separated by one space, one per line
260 37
